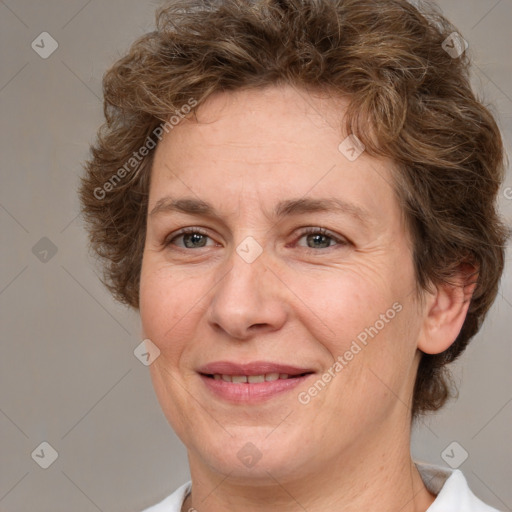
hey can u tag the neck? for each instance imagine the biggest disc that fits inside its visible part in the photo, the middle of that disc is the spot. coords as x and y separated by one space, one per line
364 475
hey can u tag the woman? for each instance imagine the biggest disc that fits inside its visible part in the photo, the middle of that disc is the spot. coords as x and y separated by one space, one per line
299 198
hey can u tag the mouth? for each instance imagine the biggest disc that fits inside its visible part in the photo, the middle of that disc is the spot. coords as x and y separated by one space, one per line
253 379
251 382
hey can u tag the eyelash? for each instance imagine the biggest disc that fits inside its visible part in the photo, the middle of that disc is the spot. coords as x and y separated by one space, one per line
321 231
306 231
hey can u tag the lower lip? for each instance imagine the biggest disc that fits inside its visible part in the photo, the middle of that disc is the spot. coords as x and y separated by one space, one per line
251 393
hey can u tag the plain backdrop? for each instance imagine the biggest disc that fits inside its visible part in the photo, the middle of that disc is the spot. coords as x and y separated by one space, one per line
68 374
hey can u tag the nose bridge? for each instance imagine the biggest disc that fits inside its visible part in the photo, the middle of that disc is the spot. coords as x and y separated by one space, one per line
248 296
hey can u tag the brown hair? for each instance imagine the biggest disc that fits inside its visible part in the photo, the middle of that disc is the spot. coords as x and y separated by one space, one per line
410 100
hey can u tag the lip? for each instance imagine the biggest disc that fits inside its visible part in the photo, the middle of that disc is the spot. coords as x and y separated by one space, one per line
253 368
251 393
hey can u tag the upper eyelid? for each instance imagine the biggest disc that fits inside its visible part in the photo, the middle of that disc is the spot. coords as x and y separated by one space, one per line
319 229
185 231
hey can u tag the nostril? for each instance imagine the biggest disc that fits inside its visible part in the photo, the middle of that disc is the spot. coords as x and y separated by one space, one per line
253 326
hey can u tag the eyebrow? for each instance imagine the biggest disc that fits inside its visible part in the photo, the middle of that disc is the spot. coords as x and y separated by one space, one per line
289 207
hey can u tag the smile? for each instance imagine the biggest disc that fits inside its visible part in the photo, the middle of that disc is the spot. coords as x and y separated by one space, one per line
251 382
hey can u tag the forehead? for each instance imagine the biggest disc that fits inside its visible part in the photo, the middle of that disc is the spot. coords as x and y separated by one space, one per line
262 144
272 118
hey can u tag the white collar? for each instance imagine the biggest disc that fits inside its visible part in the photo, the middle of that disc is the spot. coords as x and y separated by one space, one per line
452 490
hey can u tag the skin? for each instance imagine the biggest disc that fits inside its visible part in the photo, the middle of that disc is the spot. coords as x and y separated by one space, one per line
301 302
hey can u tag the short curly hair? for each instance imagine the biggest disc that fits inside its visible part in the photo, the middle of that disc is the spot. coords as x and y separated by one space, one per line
410 99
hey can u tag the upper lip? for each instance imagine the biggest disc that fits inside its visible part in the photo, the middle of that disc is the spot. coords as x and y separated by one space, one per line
253 368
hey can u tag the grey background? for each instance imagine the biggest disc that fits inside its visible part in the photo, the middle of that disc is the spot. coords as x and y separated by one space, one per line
68 375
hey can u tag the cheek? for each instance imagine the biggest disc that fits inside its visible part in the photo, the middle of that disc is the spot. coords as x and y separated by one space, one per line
169 307
168 310
337 305
369 321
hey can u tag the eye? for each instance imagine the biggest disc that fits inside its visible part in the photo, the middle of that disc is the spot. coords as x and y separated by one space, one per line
320 238
191 238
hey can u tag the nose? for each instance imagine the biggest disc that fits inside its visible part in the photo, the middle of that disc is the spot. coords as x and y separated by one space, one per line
249 300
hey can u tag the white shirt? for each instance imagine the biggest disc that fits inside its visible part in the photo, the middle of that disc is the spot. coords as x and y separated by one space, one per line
450 487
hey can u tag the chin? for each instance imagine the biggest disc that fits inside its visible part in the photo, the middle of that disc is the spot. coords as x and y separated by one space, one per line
255 458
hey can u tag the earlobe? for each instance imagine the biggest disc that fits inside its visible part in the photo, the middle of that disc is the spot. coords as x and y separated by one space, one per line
446 310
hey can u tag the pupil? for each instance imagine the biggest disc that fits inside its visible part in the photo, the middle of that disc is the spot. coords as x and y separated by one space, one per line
318 238
194 238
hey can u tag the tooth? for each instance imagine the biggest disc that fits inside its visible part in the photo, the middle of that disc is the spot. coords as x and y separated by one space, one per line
217 377
271 376
227 378
255 378
239 378
283 375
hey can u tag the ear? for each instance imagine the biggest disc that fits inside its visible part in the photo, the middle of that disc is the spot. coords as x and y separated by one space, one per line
446 309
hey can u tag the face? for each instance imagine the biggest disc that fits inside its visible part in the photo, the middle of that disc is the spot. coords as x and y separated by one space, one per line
295 261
